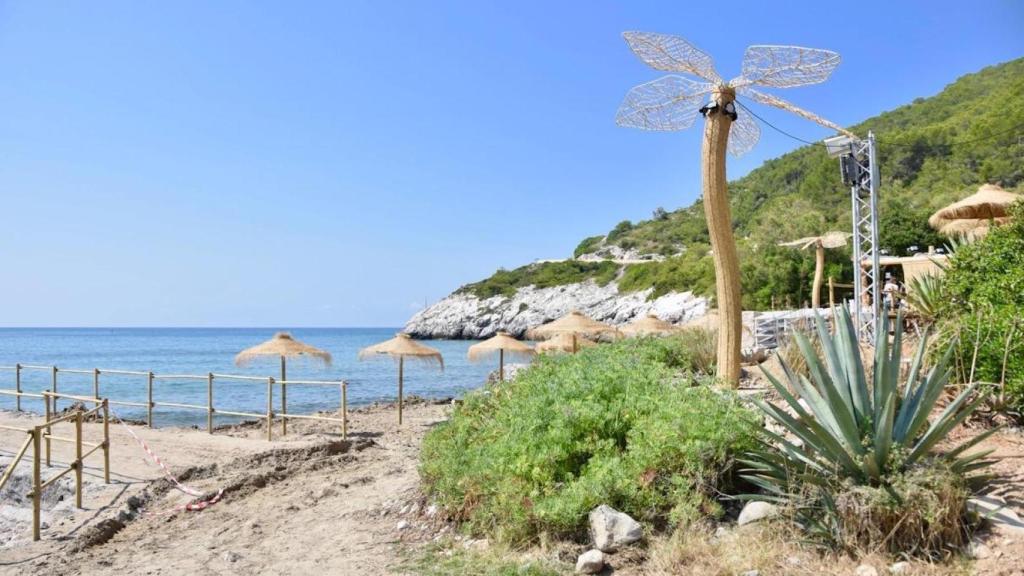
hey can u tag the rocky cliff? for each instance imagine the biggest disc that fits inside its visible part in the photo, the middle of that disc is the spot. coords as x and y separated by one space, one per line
463 315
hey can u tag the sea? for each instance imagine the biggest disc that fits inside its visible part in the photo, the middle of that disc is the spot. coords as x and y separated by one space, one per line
198 351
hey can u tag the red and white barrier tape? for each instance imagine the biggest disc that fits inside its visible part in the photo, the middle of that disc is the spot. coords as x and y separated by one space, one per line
190 507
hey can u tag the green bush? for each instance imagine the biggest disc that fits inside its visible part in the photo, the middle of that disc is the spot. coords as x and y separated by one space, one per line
983 311
542 275
692 270
989 271
614 424
587 245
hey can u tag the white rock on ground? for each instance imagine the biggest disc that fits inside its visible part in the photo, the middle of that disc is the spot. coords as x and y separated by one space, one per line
978 550
755 511
865 570
900 568
590 562
610 528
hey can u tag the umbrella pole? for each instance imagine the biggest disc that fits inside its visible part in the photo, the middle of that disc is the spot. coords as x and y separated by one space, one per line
401 370
284 398
501 364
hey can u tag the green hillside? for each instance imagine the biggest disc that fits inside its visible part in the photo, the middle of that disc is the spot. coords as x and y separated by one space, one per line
932 152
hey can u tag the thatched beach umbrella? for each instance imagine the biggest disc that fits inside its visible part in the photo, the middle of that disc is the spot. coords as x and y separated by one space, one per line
564 343
501 343
973 215
401 347
820 243
649 325
574 323
285 346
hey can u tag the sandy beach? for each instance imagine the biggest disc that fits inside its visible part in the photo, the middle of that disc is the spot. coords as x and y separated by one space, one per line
308 502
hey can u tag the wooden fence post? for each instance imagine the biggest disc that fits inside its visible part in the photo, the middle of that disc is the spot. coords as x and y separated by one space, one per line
209 402
46 404
106 441
36 433
284 398
344 410
96 383
78 460
149 401
270 408
17 387
53 388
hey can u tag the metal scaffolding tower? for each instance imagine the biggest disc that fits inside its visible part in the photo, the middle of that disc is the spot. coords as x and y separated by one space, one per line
859 168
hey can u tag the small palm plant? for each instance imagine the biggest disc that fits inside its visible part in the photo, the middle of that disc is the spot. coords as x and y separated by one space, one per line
865 469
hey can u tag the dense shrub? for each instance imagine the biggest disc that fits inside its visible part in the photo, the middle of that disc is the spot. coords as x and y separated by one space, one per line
587 245
989 271
983 311
543 275
691 270
614 424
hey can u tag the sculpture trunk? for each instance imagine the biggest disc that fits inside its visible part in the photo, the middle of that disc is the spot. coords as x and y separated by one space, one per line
819 271
723 245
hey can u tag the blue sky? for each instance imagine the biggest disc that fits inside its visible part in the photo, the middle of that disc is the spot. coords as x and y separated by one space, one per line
339 163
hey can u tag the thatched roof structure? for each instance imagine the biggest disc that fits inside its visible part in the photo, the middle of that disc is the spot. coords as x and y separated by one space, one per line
913 266
500 342
970 228
282 345
565 342
649 325
833 239
574 322
989 202
403 346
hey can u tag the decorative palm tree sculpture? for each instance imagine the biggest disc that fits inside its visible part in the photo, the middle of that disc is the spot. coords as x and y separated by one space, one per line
673 102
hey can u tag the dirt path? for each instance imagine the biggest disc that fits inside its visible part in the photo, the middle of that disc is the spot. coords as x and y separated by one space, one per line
306 504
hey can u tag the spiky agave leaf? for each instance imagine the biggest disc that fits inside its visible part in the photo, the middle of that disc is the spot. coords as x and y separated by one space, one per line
857 426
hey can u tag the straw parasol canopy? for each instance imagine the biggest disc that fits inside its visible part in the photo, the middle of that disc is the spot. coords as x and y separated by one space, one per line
283 345
970 228
574 324
564 343
501 343
990 201
973 215
649 325
833 239
402 346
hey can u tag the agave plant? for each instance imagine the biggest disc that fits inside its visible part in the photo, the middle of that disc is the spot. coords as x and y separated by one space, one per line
858 428
924 296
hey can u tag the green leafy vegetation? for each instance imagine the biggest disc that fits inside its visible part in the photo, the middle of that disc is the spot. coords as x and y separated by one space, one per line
587 245
619 424
543 275
867 473
982 311
932 152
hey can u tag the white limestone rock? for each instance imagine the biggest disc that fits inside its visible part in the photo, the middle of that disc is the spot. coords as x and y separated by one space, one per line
611 529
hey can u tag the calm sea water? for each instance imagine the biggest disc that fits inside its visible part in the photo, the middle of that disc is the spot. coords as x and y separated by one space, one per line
202 350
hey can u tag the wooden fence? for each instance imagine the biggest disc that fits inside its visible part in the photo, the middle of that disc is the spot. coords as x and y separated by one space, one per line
50 400
44 432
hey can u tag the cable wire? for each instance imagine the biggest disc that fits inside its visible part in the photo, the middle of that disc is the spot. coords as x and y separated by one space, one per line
880 142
